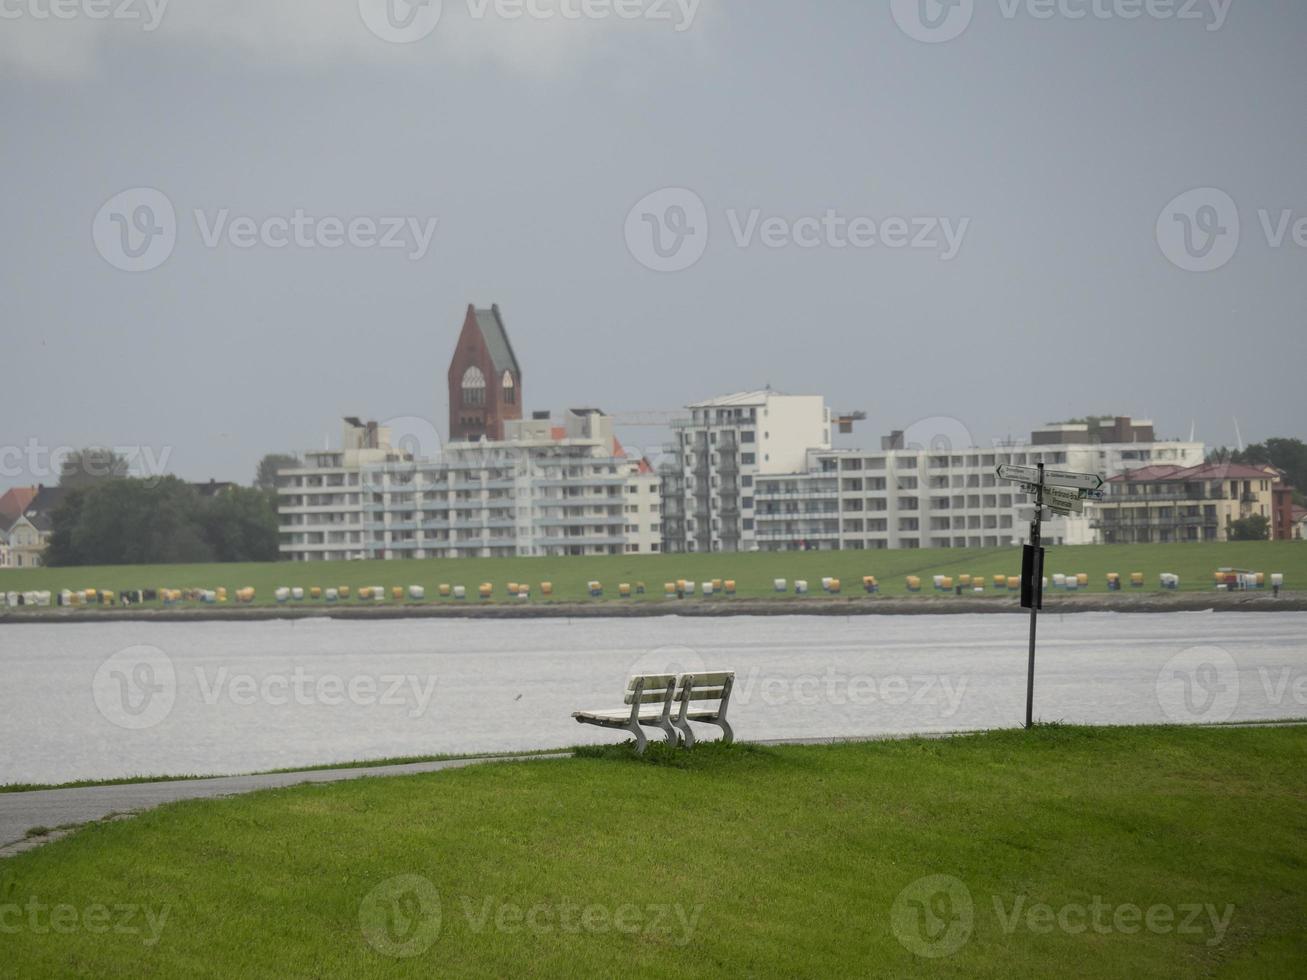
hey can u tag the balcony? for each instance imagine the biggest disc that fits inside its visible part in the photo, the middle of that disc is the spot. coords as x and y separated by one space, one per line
584 481
823 492
578 521
1108 522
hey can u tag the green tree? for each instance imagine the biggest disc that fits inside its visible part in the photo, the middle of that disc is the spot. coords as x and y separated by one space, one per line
84 467
265 478
130 522
1252 528
67 516
241 525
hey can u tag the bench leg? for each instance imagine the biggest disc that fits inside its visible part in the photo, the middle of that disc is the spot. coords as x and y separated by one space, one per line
640 740
687 734
728 733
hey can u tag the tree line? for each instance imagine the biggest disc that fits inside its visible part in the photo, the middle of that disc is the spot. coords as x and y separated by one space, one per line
109 518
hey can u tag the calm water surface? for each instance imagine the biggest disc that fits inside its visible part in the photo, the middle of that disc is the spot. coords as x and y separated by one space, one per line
106 700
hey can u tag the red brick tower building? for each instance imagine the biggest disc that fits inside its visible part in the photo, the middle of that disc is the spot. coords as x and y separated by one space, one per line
485 381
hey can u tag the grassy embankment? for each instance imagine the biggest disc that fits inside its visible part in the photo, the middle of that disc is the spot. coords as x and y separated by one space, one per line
754 573
1156 852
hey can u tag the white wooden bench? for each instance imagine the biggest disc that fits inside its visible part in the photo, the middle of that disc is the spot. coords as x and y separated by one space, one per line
700 689
652 697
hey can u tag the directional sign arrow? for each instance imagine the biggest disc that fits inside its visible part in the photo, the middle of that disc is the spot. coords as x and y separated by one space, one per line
1057 478
1066 478
1018 474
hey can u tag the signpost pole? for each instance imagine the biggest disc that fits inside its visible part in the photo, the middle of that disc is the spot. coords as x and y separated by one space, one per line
1063 501
1036 587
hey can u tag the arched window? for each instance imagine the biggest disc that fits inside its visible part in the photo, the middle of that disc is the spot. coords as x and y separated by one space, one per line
474 386
510 389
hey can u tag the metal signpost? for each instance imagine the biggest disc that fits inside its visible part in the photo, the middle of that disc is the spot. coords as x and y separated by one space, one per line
1058 492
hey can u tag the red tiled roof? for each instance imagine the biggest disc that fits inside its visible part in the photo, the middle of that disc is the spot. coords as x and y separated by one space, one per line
1185 474
15 502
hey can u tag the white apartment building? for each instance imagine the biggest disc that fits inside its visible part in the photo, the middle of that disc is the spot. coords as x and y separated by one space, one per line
546 489
320 505
720 452
933 498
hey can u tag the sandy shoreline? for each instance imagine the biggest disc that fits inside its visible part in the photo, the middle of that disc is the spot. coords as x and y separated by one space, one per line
813 606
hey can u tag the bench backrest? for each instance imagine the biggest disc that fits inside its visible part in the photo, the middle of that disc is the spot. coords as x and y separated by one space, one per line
707 686
652 688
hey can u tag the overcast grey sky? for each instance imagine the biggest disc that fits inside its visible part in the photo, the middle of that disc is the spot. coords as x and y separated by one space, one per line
1043 267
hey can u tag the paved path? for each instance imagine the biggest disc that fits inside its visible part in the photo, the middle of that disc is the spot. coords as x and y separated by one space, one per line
65 808
19 812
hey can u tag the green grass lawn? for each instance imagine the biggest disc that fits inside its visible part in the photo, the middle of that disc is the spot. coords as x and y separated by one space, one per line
1059 852
753 573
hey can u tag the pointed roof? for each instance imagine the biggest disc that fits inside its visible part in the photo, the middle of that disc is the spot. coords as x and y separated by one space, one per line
14 502
491 325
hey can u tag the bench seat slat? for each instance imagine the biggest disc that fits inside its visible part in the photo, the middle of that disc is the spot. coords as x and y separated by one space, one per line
618 714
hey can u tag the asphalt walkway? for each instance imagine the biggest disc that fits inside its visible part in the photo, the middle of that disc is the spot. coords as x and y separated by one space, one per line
55 808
